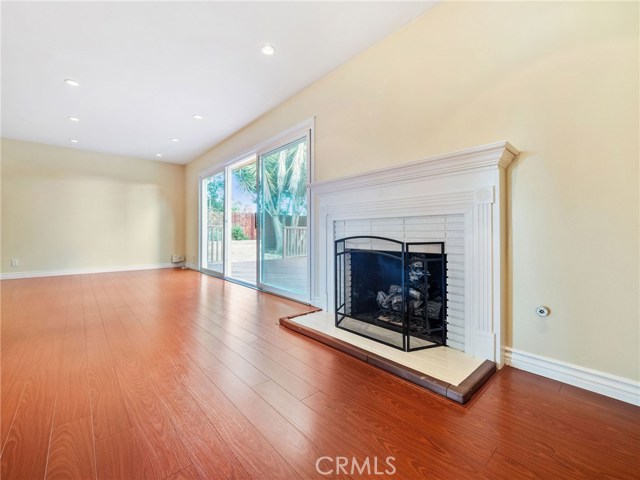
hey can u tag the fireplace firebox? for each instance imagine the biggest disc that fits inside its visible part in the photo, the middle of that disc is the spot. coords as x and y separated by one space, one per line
392 292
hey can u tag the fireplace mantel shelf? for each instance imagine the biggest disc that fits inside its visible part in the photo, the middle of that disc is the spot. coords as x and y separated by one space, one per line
499 154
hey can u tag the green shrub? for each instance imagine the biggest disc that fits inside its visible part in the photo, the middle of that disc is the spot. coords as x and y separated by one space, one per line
237 233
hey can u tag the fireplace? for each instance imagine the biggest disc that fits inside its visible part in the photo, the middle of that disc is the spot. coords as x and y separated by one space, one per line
392 292
467 187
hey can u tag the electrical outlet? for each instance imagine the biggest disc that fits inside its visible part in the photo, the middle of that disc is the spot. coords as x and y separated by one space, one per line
15 262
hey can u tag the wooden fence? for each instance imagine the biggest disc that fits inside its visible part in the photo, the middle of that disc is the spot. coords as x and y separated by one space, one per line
248 223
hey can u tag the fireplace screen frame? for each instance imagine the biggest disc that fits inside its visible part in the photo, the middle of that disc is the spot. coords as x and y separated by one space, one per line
402 253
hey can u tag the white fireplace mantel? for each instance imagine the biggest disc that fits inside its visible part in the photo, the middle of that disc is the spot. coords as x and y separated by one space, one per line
469 182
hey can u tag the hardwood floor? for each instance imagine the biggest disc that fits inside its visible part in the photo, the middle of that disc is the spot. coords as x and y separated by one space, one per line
173 374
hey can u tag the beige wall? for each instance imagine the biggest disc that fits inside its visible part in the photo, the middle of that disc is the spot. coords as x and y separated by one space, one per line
66 209
557 80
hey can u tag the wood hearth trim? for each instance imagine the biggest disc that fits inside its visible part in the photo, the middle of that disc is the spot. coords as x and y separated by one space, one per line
462 393
345 347
409 374
300 314
458 393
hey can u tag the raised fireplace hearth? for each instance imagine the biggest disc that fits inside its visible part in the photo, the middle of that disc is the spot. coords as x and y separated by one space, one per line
392 292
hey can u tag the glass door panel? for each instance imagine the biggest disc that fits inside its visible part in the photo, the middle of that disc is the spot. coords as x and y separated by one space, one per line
241 221
212 257
254 219
283 220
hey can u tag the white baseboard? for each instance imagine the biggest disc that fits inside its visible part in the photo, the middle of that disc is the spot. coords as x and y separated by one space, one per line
603 383
192 266
82 271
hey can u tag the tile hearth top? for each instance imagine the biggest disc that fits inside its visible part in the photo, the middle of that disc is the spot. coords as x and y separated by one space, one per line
443 370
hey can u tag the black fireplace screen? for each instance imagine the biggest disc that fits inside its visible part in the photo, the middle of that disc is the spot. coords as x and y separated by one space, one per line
392 292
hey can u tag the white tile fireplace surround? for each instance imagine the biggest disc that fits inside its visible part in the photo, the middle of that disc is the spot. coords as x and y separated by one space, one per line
465 189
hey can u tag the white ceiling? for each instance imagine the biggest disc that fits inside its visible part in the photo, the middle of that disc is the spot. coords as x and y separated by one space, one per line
145 68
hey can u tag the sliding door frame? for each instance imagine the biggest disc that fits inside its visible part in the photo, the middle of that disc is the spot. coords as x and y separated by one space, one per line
281 142
298 131
202 224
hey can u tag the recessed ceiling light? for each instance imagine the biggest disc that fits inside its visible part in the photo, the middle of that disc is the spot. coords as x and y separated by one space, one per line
175 140
158 155
70 82
73 140
268 49
198 117
74 119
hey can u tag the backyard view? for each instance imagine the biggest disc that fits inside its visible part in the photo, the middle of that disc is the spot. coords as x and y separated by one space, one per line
270 205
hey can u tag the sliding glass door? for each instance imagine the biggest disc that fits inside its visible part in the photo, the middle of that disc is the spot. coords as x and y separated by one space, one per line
255 216
212 223
241 221
283 213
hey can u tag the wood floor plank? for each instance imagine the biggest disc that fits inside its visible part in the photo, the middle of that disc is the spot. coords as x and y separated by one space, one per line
285 438
189 473
118 457
397 403
327 433
573 409
291 382
236 339
427 457
173 374
254 452
573 448
182 346
246 312
108 411
241 324
250 374
210 455
147 346
71 453
25 450
29 346
89 304
156 434
73 397
37 357
345 378
14 370
503 467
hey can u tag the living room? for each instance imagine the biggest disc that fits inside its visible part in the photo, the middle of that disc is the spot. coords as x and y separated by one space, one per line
172 189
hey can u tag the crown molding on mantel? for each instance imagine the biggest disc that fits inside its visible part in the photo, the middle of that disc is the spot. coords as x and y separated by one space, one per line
499 154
